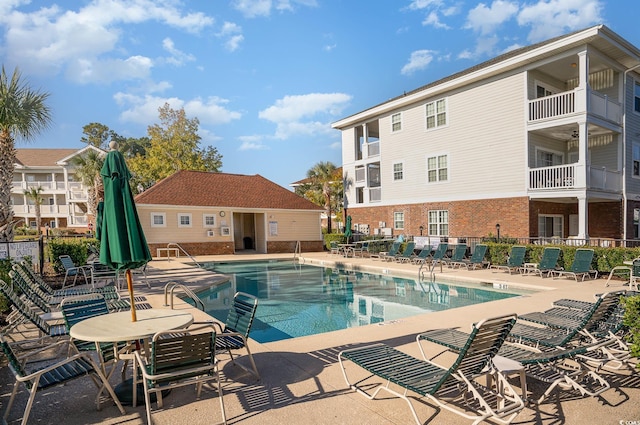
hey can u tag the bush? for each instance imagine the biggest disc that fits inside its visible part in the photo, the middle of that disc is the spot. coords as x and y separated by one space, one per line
333 237
77 249
632 320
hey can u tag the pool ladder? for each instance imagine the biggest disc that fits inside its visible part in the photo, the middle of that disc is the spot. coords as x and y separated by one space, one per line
181 249
432 273
170 288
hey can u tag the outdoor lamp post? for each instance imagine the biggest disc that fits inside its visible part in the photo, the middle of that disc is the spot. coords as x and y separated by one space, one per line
498 231
421 229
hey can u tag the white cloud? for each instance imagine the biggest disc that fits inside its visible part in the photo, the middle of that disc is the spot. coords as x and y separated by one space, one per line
433 20
48 40
485 19
233 34
261 8
85 71
252 143
144 109
423 4
294 115
419 60
550 18
177 57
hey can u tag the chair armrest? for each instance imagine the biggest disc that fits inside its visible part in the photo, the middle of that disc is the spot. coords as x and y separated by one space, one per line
70 359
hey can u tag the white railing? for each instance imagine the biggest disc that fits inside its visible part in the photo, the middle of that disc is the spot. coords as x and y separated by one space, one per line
360 174
375 194
601 178
373 149
561 104
601 105
555 177
77 196
78 220
552 106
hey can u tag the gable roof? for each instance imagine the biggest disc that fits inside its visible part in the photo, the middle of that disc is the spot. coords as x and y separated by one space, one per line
204 189
48 157
307 180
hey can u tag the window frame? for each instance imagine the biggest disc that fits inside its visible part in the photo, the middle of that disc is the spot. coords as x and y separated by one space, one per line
438 168
180 216
398 122
441 226
436 114
635 161
158 214
398 220
553 217
636 97
205 216
395 172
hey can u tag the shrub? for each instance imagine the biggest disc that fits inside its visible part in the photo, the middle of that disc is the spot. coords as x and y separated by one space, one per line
75 248
632 320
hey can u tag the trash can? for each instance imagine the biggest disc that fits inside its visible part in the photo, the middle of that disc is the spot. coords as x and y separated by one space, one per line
248 242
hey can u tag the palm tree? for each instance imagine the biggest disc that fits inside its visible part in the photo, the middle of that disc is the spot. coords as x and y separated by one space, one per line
23 114
35 194
325 188
88 171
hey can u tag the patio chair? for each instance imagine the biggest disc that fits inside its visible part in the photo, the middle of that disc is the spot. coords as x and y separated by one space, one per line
334 248
178 359
439 254
422 256
581 266
514 262
393 251
59 373
444 386
361 248
558 367
548 263
458 254
235 332
476 260
72 270
405 256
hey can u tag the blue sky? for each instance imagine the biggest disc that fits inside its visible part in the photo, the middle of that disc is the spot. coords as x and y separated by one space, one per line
266 78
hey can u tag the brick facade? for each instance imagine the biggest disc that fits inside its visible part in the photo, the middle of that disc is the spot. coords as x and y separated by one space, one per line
518 217
227 248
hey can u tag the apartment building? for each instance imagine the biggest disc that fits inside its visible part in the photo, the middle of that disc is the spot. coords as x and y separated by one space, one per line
64 195
543 141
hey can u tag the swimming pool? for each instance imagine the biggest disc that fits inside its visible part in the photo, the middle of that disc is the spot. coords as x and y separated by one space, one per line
298 300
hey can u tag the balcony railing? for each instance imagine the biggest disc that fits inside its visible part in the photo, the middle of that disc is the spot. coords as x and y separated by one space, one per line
373 149
555 177
562 104
560 177
375 194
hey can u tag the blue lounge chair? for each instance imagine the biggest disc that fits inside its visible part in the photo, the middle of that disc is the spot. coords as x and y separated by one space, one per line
422 256
548 263
406 255
444 386
440 253
475 261
393 251
457 256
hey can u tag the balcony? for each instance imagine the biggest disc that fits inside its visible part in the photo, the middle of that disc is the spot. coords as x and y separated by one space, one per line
567 103
375 194
562 177
373 149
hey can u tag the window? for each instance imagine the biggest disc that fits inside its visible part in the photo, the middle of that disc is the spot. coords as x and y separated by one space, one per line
437 168
636 159
439 223
550 226
547 159
396 122
636 99
184 219
397 171
158 220
436 113
398 220
208 220
360 173
359 195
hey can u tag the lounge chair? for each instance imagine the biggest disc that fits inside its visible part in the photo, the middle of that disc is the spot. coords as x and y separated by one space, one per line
360 248
444 386
393 251
558 367
514 262
422 256
406 255
458 255
548 263
581 266
334 248
71 270
40 378
235 332
475 261
180 358
440 254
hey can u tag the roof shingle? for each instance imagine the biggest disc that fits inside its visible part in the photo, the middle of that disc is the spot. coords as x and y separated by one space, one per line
199 188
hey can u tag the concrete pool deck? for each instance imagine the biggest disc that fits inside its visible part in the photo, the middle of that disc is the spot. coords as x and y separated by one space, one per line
302 382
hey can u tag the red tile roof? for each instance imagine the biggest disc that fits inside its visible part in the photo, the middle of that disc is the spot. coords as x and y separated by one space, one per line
42 157
199 188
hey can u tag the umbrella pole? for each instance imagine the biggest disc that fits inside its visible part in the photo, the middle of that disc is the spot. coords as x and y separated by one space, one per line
130 287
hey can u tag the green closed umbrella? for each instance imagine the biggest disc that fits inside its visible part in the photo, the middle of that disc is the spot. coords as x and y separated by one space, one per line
122 242
347 230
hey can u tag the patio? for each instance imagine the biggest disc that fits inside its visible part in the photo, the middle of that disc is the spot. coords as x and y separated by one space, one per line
301 380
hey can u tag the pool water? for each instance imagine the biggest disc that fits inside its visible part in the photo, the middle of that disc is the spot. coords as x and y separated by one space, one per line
297 300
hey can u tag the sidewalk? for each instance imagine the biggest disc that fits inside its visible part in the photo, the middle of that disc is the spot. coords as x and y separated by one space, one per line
301 380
